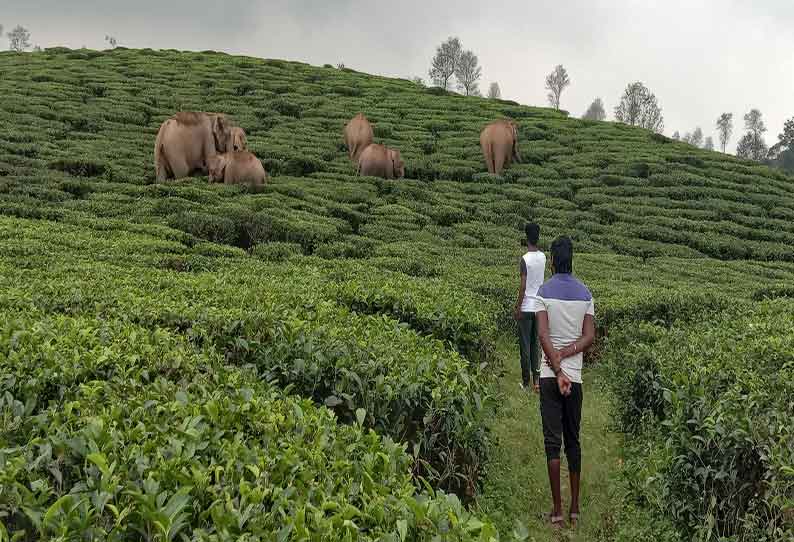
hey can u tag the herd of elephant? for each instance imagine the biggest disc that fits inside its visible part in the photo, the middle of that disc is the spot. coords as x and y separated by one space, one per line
211 144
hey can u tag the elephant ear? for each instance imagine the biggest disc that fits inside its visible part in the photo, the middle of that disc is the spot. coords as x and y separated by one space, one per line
220 131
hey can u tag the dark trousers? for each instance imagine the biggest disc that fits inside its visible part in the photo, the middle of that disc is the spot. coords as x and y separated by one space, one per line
528 347
562 417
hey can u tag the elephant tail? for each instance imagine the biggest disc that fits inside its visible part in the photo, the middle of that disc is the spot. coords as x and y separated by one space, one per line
161 166
491 157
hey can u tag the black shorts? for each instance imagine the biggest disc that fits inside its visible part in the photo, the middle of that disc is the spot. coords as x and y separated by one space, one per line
562 417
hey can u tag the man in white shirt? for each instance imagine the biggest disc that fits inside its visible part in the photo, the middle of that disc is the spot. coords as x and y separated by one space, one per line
566 329
532 267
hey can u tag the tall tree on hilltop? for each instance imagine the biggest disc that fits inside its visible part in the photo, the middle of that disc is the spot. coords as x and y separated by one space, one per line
752 145
595 111
444 64
785 140
556 82
754 122
468 73
494 92
696 139
677 136
725 129
638 107
782 153
19 39
709 144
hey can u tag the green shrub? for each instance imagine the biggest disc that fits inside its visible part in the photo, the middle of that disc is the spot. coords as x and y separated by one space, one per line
716 392
140 410
79 167
206 226
297 167
276 251
214 250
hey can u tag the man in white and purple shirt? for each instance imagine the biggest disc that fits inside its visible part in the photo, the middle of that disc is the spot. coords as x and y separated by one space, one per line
566 329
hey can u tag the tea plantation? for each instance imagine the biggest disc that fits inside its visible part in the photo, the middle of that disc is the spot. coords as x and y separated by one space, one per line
316 359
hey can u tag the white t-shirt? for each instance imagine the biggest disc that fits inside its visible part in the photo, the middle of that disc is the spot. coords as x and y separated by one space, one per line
534 265
566 301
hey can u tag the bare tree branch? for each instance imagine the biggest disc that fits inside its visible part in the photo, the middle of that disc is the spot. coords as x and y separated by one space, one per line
556 82
638 107
444 64
468 73
752 145
19 39
725 129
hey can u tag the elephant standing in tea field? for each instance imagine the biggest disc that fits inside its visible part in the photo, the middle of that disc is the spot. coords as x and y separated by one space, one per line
358 136
499 142
187 141
239 139
240 167
380 161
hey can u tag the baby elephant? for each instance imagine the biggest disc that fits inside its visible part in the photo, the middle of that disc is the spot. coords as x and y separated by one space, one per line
240 167
380 161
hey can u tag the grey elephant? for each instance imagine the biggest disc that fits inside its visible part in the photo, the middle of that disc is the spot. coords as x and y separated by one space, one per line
358 135
380 161
188 140
499 143
240 167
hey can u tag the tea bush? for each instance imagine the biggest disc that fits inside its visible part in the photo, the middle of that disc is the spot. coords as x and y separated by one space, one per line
712 403
141 434
279 321
378 302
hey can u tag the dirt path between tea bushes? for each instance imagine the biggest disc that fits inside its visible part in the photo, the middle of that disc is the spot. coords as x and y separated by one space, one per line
516 491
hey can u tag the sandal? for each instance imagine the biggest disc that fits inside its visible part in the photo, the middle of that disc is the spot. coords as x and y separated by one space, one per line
557 522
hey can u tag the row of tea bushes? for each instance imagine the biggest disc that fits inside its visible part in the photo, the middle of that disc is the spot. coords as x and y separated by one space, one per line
114 431
708 410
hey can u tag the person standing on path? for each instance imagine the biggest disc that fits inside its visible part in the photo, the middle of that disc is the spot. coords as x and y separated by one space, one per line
566 328
531 267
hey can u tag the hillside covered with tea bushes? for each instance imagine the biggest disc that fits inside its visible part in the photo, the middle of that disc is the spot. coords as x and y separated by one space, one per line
316 357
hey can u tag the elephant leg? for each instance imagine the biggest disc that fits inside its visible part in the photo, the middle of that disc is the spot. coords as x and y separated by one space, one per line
498 163
162 168
161 171
180 168
487 154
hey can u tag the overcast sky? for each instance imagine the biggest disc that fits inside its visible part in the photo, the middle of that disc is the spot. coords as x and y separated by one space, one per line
700 57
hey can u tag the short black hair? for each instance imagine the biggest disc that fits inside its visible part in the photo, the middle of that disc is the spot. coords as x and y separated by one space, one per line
562 255
533 233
